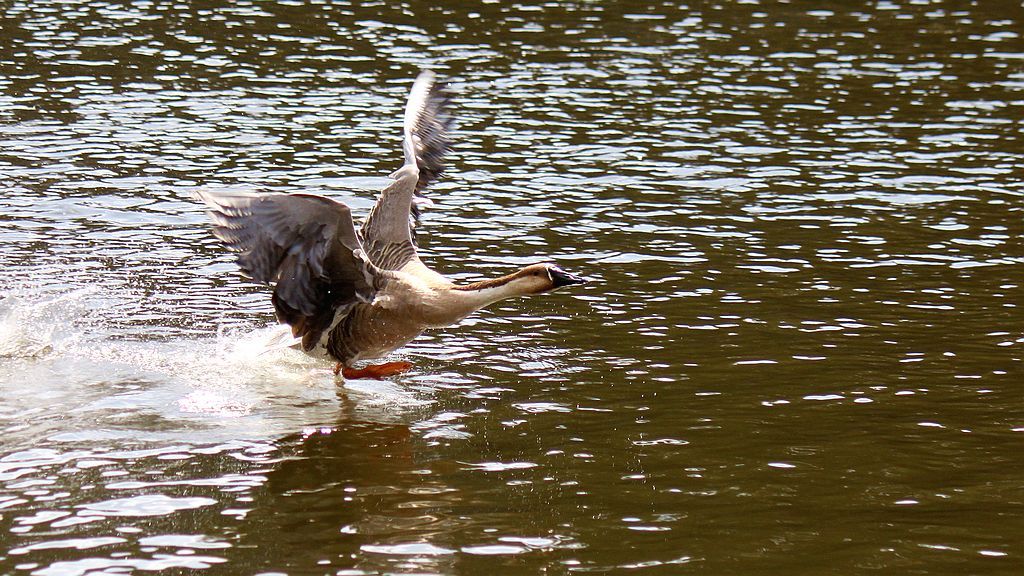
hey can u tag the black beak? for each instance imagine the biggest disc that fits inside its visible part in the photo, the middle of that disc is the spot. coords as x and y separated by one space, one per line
562 278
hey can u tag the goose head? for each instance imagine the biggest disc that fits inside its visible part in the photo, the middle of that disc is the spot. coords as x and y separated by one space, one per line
534 279
541 278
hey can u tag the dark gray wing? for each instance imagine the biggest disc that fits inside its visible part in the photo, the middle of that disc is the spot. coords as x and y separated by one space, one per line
306 245
389 230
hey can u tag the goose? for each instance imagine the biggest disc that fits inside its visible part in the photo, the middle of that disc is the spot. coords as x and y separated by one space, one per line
358 295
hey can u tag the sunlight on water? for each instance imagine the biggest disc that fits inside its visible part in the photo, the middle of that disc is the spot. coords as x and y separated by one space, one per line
802 225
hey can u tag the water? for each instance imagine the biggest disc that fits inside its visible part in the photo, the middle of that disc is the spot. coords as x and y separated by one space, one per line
802 352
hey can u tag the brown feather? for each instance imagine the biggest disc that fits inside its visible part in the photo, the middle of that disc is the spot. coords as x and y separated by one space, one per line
501 281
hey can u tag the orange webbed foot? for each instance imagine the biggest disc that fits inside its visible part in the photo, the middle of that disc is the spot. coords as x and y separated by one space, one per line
374 371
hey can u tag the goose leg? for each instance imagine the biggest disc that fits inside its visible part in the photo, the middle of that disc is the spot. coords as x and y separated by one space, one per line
374 371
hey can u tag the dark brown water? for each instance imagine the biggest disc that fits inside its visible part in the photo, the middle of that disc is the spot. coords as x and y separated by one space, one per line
803 352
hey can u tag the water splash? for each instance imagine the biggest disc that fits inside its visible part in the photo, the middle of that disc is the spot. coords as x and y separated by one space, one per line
60 359
31 327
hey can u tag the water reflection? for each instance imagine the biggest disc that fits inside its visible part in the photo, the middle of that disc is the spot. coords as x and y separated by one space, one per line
354 485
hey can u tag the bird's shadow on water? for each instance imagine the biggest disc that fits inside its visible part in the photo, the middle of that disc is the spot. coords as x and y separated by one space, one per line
374 495
355 493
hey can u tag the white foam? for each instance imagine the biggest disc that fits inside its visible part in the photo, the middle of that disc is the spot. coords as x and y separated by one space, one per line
31 327
61 361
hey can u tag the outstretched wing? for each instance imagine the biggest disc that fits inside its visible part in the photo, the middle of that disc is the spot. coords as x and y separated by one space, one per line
389 230
306 245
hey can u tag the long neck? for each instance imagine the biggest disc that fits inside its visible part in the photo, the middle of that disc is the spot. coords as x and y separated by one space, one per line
471 297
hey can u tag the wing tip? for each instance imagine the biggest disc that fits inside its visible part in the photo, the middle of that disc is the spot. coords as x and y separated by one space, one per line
427 94
427 124
418 97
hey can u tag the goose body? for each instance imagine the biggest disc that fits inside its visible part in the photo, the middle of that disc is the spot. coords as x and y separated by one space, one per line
359 295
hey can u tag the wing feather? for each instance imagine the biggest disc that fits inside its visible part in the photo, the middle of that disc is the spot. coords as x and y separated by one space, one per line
306 245
389 230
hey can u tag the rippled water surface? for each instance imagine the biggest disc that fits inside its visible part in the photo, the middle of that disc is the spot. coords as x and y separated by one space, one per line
801 354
